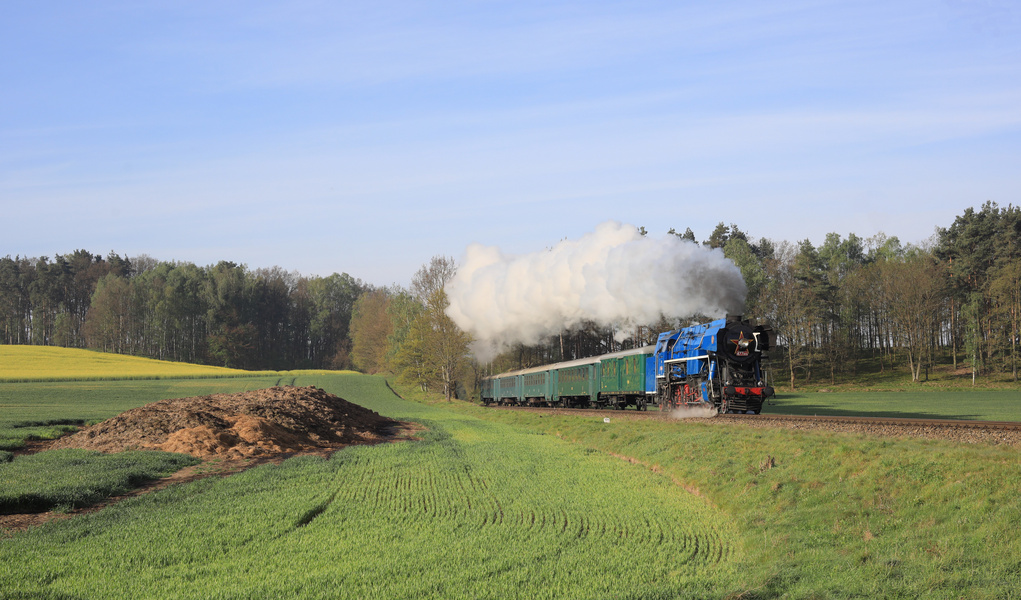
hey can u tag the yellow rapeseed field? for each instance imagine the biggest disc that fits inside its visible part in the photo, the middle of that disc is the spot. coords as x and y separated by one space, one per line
36 363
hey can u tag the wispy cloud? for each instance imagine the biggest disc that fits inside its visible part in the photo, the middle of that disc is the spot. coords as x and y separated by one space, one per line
118 115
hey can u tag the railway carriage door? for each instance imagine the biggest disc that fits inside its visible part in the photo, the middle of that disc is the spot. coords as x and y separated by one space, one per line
554 385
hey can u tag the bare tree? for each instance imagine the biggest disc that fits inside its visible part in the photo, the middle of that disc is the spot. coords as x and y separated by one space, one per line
788 306
432 277
913 292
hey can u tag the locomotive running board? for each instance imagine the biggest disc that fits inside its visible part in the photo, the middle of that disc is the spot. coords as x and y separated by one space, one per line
680 360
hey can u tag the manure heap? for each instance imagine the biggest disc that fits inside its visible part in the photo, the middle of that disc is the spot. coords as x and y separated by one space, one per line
261 423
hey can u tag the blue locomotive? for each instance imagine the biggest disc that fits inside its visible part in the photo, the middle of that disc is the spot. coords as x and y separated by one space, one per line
717 364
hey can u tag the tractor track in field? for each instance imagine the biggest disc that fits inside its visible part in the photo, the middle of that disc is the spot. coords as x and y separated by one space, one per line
989 432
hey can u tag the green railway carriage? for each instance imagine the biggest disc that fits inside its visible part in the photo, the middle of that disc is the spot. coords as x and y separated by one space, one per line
623 378
577 384
617 380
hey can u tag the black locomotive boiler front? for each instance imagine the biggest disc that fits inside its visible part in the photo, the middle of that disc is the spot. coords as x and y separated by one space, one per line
743 385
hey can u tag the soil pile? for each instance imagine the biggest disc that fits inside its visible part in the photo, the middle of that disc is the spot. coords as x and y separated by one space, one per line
269 422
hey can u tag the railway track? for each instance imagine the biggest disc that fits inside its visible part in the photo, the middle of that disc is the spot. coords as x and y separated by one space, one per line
892 421
998 431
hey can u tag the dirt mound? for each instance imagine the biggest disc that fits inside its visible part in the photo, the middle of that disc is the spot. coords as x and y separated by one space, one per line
273 421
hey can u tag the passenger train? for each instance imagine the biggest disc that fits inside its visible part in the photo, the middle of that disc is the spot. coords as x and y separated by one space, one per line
717 364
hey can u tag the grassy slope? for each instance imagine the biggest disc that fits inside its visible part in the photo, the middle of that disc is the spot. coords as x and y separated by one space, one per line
835 516
832 515
475 509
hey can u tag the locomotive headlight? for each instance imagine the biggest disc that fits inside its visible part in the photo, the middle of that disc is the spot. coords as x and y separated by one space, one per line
744 344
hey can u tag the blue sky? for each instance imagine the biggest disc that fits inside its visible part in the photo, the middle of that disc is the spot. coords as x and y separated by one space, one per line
366 137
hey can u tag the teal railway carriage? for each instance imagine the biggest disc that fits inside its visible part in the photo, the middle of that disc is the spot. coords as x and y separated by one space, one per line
618 380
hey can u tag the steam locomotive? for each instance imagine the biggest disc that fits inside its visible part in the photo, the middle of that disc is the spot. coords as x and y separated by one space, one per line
716 364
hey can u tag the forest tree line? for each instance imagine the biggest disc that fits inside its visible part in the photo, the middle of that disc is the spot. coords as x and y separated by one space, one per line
955 300
224 314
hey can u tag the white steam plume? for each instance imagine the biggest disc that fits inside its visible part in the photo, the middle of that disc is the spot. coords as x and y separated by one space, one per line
613 276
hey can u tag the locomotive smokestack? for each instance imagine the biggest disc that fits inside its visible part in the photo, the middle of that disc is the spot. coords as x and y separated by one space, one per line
613 276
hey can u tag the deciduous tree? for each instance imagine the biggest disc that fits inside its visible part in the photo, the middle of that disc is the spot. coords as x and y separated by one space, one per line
371 326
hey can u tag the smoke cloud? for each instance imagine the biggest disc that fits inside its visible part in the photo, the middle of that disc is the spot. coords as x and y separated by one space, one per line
613 276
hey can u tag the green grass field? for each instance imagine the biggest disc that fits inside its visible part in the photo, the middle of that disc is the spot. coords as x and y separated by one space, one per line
982 405
475 509
492 504
65 479
823 515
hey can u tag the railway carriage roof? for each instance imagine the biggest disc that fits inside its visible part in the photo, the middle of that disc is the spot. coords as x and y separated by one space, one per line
592 360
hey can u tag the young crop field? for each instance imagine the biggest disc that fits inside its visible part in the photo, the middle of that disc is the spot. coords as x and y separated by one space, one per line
474 509
494 504
66 479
